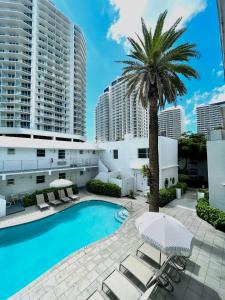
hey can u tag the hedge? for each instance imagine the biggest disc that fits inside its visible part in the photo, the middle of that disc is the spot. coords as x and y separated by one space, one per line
99 187
166 196
212 215
30 199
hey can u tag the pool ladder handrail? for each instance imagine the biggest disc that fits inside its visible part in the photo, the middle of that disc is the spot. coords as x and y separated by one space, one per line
129 203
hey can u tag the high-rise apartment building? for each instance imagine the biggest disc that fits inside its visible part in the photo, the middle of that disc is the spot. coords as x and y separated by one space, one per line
171 122
221 11
102 117
209 117
117 114
42 71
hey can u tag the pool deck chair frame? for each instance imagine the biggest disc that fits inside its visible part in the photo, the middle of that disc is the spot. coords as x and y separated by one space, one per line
52 200
71 195
41 202
178 262
63 197
95 296
123 288
120 286
151 252
144 274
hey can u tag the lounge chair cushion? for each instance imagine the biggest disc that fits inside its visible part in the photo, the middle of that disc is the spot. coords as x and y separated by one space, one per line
152 253
52 200
63 196
71 195
138 269
41 201
43 205
121 287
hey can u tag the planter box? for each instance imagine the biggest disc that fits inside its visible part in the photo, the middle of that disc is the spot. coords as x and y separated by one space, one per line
200 195
178 193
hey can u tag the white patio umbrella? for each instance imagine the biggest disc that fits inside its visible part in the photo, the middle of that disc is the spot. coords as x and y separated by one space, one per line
165 233
60 183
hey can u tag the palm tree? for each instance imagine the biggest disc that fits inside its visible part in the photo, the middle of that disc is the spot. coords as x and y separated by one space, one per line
153 74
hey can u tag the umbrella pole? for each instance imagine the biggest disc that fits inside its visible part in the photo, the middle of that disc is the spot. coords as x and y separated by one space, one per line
160 259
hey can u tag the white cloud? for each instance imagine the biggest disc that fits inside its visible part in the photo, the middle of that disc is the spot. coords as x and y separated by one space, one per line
218 94
130 12
189 101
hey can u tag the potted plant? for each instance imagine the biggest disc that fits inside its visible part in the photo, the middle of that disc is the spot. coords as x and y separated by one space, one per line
201 193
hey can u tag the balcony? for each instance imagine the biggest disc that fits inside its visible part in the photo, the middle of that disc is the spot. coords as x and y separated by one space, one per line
14 167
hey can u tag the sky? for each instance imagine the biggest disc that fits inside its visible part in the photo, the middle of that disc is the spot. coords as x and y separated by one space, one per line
106 25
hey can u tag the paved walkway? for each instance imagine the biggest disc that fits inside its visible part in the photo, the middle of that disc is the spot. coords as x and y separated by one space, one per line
188 200
78 275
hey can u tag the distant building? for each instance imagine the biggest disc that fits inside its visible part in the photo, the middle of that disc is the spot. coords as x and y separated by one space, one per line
117 114
102 117
171 122
221 11
42 72
209 117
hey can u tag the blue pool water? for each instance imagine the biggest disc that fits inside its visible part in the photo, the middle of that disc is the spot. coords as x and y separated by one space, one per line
28 250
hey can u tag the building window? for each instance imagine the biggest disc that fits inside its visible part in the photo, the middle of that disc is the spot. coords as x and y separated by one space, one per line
61 154
62 175
10 181
115 154
11 151
40 152
81 151
143 153
93 152
81 173
40 179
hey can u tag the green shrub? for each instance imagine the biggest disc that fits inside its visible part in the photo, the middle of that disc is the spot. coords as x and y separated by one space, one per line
166 196
182 186
212 215
99 187
30 199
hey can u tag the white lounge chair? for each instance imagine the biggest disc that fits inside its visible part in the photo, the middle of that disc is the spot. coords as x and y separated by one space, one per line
144 274
52 200
123 289
71 195
63 197
95 296
41 202
160 258
151 252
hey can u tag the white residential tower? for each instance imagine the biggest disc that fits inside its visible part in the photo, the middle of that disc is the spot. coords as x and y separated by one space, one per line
42 71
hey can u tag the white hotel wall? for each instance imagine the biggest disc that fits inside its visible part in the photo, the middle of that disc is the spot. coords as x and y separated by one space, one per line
27 182
128 157
216 173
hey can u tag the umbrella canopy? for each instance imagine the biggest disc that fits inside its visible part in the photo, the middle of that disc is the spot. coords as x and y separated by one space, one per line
165 233
60 183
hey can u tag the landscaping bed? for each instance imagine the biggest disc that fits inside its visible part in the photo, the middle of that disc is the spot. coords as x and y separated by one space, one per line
212 215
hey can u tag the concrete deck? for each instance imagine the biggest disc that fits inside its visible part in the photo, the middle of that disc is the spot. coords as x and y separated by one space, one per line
78 275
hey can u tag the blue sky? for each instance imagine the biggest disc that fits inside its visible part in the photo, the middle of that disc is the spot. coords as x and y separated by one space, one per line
106 23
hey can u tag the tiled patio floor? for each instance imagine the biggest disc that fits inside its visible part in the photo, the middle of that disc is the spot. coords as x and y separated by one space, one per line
78 275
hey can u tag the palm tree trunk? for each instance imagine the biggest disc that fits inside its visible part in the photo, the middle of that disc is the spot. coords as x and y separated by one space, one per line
153 156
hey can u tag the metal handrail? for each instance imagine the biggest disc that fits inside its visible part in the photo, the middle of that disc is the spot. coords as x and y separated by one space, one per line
38 164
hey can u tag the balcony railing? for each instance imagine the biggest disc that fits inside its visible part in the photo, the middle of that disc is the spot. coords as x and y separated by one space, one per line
45 164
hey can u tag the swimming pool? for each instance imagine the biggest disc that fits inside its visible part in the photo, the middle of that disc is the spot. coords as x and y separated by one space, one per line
28 250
